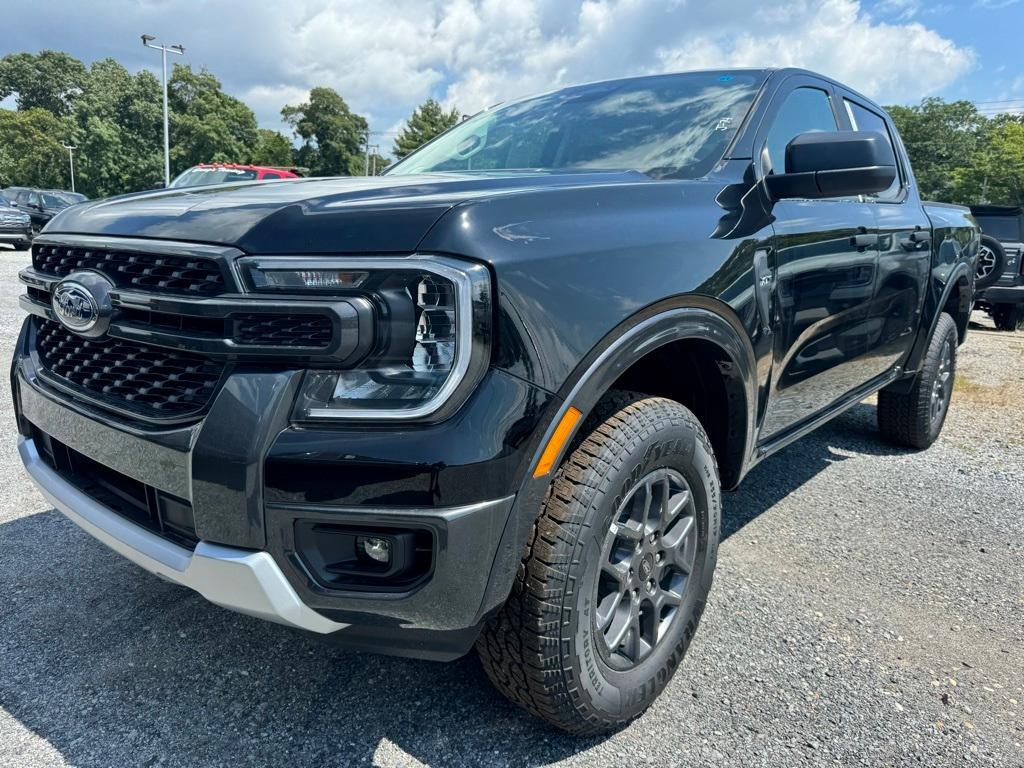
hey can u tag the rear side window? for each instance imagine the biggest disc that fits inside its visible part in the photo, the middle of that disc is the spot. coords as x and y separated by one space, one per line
1005 228
864 119
805 110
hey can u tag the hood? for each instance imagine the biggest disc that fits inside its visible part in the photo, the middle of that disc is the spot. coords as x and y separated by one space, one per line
378 214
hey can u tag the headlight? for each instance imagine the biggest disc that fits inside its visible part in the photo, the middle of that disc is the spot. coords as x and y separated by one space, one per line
431 331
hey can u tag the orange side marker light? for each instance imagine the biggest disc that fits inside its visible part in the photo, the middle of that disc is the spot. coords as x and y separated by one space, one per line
557 442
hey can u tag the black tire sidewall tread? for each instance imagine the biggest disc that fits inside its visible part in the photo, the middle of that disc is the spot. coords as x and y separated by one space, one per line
1000 253
904 418
539 649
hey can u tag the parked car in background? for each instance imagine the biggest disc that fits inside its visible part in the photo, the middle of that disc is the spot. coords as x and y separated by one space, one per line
1000 277
15 226
41 204
205 174
493 396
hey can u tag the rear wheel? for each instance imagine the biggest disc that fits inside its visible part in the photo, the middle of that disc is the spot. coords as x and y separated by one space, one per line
617 571
915 418
1008 317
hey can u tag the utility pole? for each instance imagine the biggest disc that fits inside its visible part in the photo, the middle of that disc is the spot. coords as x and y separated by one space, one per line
374 151
71 163
164 50
366 143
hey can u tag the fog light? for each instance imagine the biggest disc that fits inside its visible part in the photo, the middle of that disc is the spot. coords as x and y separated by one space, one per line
375 548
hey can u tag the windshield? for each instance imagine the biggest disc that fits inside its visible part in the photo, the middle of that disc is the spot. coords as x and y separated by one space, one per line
669 126
197 177
51 200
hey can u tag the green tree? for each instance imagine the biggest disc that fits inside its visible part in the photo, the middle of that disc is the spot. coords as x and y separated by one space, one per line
118 131
939 136
50 80
31 148
427 121
995 172
333 136
207 125
272 148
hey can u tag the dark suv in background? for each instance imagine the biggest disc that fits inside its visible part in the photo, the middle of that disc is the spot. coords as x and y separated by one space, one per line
1000 277
15 226
41 205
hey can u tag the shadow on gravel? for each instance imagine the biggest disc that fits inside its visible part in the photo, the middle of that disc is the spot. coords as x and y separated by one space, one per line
782 473
111 666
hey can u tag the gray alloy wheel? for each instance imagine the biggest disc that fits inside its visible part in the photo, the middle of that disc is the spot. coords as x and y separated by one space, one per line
942 384
647 560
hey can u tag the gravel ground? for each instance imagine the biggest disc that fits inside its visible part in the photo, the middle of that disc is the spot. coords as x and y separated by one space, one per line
868 610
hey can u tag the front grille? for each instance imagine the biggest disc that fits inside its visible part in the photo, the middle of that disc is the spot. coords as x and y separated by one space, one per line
163 514
284 330
152 382
130 269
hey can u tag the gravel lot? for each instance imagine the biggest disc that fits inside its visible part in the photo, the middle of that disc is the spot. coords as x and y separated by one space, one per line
868 610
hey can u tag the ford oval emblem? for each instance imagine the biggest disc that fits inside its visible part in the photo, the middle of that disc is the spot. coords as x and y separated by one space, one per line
75 306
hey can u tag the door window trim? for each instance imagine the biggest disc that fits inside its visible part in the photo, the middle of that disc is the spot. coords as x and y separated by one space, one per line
904 192
778 98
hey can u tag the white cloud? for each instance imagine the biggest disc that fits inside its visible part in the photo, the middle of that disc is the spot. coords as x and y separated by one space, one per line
387 56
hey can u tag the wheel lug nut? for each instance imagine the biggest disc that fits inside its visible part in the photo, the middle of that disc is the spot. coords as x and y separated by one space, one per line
659 557
636 593
653 537
650 585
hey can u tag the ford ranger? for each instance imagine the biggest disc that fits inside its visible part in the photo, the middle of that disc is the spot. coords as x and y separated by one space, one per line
494 396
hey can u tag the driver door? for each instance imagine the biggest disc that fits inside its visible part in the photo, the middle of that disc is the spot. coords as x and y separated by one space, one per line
825 254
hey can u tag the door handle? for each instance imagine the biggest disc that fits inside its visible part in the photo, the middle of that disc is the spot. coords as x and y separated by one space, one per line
863 241
920 237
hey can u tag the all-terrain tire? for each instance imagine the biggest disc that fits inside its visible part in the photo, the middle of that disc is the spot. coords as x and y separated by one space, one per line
914 418
544 649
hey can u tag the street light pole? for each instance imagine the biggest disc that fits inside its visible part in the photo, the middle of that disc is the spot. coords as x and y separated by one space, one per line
164 50
71 163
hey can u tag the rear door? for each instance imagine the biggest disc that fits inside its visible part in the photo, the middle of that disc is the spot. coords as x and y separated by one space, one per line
905 247
825 262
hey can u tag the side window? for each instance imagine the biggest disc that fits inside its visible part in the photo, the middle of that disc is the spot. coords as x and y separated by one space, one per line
804 110
270 175
864 119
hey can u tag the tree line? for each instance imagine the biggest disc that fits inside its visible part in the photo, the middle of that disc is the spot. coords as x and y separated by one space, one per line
114 118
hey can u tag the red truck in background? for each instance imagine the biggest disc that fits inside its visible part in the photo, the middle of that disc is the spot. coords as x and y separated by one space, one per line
220 173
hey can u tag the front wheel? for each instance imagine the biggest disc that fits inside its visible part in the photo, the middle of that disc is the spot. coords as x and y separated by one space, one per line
617 570
915 418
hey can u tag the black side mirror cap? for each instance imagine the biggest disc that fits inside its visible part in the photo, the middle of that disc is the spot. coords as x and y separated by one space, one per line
835 164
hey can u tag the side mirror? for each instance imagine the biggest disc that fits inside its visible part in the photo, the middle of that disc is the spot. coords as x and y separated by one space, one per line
158 185
835 164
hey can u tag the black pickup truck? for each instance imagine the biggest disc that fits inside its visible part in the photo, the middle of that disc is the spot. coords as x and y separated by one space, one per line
493 397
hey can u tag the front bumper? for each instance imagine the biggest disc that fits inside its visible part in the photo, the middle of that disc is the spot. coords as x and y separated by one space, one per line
243 580
15 235
251 478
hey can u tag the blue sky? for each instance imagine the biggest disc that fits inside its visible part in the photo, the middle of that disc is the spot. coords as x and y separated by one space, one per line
387 56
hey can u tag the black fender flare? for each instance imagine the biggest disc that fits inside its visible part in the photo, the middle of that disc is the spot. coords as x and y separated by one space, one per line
689 317
960 270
